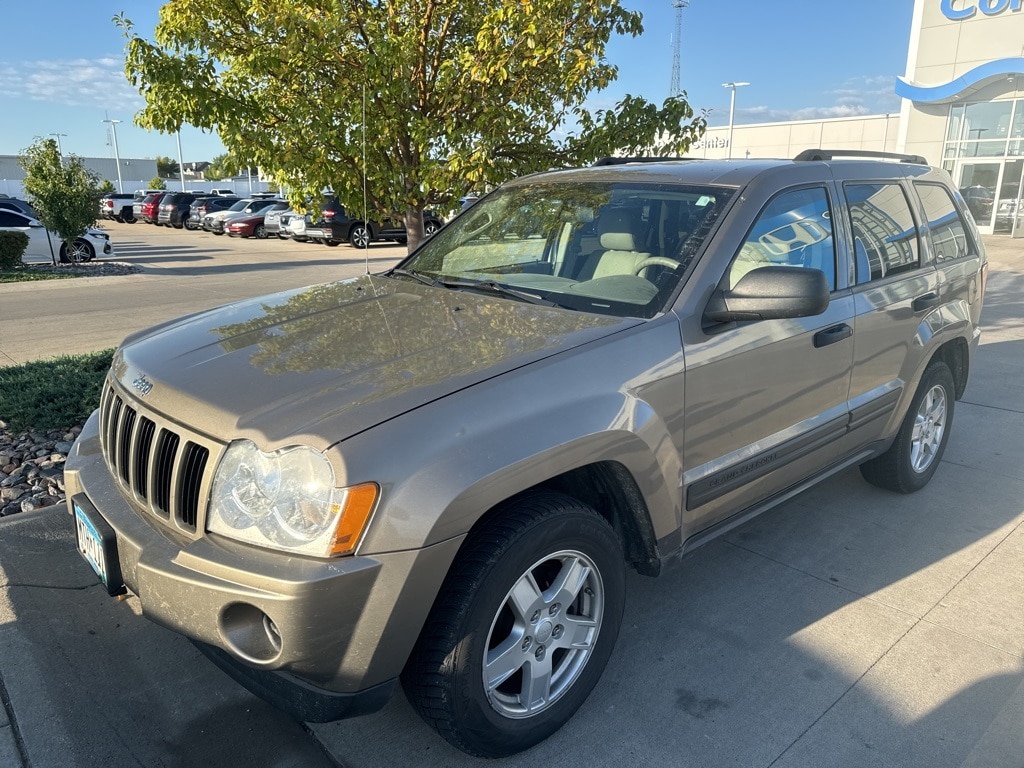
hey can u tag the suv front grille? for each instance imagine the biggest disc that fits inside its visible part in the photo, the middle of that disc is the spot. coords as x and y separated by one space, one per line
162 467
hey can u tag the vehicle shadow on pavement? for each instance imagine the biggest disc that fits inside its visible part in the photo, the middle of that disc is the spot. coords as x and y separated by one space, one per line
93 684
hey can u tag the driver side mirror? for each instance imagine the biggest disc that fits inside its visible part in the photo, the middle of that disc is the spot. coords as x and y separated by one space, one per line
770 293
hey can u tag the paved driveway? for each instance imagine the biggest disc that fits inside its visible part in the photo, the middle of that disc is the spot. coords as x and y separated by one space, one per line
847 627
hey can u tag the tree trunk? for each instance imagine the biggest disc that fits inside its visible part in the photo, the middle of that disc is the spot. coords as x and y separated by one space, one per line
413 226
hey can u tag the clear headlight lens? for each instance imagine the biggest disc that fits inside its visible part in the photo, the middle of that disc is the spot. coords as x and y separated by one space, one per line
287 500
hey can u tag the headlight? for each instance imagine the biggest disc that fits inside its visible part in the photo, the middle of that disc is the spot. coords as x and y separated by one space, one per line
287 500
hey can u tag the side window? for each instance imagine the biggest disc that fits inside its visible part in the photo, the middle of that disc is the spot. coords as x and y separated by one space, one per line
946 228
8 219
884 233
794 230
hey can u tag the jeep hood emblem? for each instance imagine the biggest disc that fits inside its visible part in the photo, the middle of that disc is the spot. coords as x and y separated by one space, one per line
143 385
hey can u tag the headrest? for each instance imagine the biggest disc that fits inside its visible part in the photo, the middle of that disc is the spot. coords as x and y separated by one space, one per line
618 229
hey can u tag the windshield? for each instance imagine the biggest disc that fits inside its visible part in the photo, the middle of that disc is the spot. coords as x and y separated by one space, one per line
613 249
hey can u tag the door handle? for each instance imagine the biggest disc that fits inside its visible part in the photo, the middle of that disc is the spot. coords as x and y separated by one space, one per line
929 300
832 335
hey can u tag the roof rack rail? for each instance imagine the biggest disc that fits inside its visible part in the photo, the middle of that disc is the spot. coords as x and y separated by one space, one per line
623 160
830 154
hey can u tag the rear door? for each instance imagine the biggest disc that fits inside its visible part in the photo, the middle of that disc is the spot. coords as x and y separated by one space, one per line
38 242
765 403
894 288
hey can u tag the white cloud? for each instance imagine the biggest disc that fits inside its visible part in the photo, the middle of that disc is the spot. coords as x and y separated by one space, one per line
98 83
864 95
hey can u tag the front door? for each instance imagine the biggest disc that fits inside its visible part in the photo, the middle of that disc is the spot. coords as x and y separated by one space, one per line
766 400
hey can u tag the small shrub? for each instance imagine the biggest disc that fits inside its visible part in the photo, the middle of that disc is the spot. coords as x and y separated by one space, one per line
52 394
12 248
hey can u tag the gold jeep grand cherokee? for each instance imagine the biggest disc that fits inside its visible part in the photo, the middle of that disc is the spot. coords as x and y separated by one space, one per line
439 474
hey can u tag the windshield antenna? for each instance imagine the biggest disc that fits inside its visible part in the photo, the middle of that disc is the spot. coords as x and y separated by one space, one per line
366 248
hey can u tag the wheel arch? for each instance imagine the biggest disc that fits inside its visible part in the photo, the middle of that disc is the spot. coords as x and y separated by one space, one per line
955 353
608 487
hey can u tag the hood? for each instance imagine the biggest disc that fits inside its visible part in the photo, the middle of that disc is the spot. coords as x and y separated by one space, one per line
320 364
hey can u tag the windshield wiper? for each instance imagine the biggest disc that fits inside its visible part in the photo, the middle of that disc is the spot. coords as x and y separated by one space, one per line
490 286
414 275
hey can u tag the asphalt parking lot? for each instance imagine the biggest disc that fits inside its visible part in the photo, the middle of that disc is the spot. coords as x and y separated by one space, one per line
183 272
846 627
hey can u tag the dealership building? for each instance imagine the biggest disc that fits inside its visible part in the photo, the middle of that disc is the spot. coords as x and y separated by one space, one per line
962 109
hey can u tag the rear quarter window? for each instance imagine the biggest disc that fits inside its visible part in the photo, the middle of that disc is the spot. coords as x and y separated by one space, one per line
948 235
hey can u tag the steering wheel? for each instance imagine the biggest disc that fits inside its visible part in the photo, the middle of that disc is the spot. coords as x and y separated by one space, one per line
655 261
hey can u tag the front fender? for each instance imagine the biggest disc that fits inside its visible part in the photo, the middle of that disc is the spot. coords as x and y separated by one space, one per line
442 466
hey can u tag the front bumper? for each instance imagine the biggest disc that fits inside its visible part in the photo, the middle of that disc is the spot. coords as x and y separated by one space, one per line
317 638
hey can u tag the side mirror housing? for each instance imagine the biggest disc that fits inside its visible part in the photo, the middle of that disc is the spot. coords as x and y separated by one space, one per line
770 293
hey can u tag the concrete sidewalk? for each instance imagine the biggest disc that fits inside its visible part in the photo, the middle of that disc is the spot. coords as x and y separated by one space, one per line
847 627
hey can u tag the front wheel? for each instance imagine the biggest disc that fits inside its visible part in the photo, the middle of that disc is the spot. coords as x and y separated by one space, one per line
81 252
359 236
914 456
430 227
522 628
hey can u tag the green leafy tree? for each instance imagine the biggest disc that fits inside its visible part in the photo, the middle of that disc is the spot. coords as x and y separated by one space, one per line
106 187
61 191
455 95
222 166
166 167
157 183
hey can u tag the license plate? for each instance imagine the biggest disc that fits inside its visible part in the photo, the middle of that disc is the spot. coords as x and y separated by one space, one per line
98 545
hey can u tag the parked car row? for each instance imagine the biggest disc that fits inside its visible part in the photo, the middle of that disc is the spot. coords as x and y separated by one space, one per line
260 216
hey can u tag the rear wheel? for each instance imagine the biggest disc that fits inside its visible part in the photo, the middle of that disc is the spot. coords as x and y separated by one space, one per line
260 233
522 628
359 236
430 227
914 456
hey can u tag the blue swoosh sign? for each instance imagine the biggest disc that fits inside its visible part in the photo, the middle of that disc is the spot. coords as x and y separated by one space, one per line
970 81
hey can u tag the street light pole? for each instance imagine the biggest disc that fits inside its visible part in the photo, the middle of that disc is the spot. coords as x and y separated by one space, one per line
732 110
181 164
117 157
60 150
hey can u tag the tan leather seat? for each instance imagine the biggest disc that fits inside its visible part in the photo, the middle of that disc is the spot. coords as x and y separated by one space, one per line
619 233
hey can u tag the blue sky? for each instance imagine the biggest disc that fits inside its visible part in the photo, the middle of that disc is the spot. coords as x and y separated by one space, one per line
63 72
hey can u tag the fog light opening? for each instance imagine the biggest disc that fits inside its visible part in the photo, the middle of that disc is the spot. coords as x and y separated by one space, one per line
250 633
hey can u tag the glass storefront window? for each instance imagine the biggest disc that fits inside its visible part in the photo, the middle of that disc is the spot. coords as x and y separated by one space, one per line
983 149
1017 126
956 118
986 120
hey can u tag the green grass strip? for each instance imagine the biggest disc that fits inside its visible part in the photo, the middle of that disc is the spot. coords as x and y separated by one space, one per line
52 394
27 275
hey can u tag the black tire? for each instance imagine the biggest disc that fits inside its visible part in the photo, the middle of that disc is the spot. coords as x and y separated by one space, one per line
190 225
430 227
84 249
332 243
359 236
527 544
915 454
260 232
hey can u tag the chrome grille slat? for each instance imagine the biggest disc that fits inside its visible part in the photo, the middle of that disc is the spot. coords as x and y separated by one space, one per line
163 468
